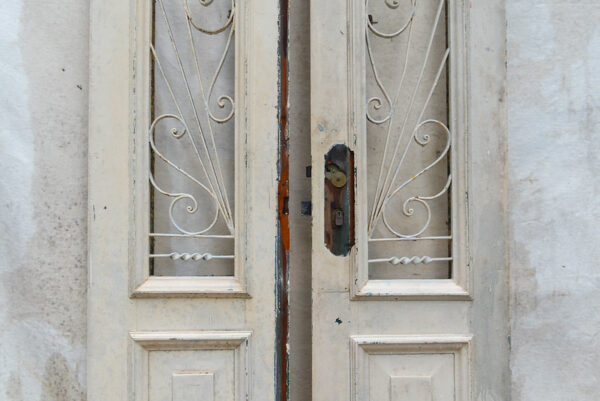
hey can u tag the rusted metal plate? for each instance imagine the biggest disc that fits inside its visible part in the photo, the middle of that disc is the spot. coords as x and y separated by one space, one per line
339 200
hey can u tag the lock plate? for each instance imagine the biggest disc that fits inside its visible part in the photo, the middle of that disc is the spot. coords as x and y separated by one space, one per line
339 200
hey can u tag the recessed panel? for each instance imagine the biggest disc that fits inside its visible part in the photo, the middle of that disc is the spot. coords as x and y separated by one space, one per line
191 366
167 381
193 386
410 368
411 377
410 388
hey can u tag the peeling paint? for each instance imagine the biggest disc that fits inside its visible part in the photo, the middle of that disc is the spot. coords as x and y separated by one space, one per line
283 193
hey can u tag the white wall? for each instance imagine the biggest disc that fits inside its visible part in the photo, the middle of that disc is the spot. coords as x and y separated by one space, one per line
554 178
554 160
43 152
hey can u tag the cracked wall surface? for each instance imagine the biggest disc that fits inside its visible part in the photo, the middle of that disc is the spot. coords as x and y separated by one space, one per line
554 159
43 159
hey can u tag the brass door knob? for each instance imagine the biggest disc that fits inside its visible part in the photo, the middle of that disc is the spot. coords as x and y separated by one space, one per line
335 175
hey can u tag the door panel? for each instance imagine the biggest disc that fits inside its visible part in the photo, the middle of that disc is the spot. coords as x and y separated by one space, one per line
398 317
410 368
183 200
192 365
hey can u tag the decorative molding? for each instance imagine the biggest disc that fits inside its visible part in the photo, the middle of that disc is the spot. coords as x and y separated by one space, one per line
364 347
445 289
190 287
141 283
458 286
144 342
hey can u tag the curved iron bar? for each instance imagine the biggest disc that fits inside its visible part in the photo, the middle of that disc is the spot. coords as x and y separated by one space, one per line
386 190
205 30
179 196
393 4
202 137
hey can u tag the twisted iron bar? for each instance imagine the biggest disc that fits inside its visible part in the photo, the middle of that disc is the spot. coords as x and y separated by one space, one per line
405 260
196 256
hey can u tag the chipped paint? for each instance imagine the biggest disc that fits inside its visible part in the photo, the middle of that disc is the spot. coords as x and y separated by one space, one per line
283 193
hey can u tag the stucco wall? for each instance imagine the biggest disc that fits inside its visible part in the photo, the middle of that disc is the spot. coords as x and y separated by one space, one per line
554 156
43 164
554 165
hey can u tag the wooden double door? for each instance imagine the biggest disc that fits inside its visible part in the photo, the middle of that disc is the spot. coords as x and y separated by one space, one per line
203 188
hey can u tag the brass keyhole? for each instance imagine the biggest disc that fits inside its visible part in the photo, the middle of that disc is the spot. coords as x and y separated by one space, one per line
338 217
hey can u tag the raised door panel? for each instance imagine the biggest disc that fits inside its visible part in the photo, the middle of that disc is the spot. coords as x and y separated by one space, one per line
191 365
410 368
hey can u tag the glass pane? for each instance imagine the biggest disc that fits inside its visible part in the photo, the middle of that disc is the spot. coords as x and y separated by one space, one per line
408 140
192 138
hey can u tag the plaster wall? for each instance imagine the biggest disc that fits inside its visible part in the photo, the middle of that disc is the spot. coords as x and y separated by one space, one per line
554 153
43 200
554 159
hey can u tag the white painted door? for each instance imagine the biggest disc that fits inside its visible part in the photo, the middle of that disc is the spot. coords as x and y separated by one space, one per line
408 256
187 258
183 200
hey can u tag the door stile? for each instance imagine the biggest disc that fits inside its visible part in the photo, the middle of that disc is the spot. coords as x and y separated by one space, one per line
108 214
330 274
